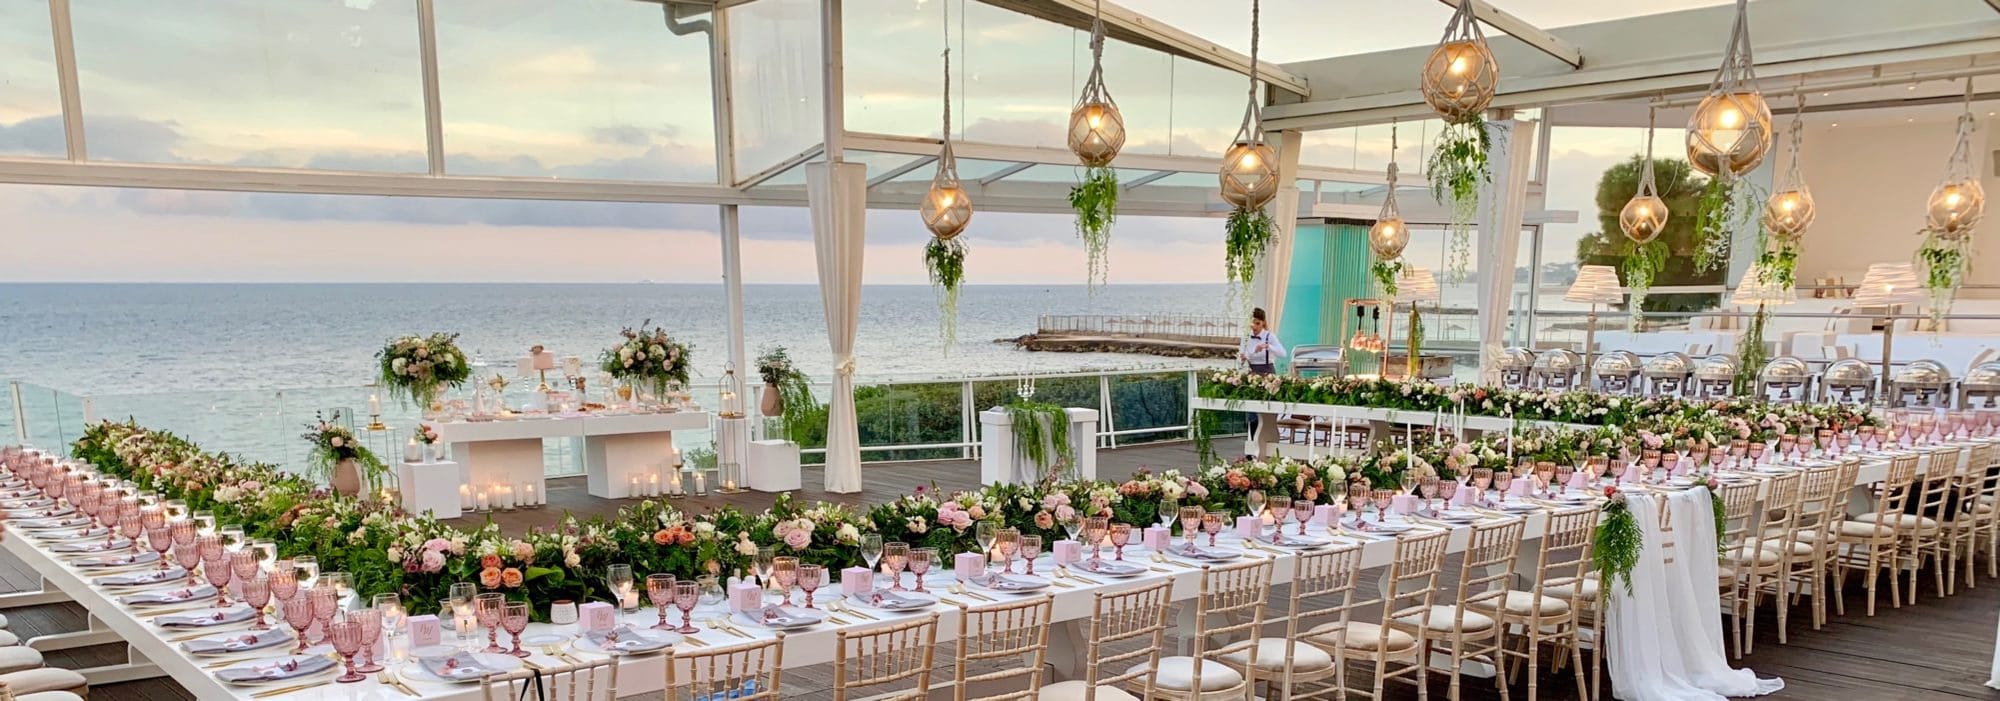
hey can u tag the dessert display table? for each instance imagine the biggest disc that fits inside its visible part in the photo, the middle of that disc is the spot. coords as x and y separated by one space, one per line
616 447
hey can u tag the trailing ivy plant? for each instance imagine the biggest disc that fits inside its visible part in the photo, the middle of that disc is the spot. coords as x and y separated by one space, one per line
1642 265
1249 233
1385 272
1096 203
1754 353
1039 428
1944 263
945 259
1780 262
1725 206
1206 425
1616 546
1457 167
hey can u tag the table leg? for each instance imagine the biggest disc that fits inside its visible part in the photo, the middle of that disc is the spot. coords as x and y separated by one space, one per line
1066 650
96 634
34 598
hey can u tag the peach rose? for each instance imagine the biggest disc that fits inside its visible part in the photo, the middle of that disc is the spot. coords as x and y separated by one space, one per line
510 578
663 537
489 577
491 562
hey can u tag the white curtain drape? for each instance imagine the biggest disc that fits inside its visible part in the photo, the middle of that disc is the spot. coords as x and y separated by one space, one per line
838 194
1664 635
1274 274
1502 205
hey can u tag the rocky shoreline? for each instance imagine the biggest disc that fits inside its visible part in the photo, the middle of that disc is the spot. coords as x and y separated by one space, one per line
1075 343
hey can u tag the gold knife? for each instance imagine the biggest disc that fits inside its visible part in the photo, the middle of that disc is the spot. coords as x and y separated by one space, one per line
286 690
1081 578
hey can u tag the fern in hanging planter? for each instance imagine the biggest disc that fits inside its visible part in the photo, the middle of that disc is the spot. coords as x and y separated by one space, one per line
1249 234
1457 168
1642 265
1096 203
1726 205
1385 272
1944 262
945 259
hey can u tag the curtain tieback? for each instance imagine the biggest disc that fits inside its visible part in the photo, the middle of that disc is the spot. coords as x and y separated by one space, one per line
844 368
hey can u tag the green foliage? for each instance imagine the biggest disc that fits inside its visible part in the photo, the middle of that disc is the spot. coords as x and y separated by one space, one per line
1040 427
1617 544
1385 272
1725 206
945 259
1641 267
1457 167
1206 424
1679 187
1249 233
797 408
417 368
1780 262
1721 522
1944 264
1754 353
1096 203
702 458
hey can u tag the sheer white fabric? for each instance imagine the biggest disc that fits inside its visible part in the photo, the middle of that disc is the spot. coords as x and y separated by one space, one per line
1665 632
1274 273
838 193
1501 208
1995 681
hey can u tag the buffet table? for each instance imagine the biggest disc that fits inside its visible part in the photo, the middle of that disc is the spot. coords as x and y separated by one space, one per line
616 447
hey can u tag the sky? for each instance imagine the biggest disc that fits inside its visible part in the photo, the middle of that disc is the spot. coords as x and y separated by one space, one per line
600 89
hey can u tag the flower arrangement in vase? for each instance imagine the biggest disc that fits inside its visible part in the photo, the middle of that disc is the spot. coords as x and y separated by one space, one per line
787 393
339 459
418 368
650 359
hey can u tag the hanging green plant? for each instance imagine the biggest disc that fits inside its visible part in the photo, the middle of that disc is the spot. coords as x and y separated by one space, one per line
1457 167
1754 353
1249 233
1617 542
1721 519
1726 205
1642 265
1096 203
945 259
1039 428
1944 262
1385 272
1780 262
1206 425
799 414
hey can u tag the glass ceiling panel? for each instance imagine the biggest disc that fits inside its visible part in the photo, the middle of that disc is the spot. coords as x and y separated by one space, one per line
968 169
30 106
877 162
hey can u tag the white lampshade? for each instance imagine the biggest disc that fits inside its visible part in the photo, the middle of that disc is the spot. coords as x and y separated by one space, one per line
1754 290
1595 284
1416 284
1887 284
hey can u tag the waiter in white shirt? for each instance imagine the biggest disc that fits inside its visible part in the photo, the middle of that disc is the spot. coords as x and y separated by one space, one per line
1261 351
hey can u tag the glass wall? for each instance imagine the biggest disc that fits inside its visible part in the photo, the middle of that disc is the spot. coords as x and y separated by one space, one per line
775 73
1593 171
30 102
596 89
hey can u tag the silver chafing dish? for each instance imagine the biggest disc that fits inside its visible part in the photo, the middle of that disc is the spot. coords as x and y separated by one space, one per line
1668 373
1848 381
1924 383
1316 361
1981 387
1514 364
1790 376
1556 368
1715 375
1617 371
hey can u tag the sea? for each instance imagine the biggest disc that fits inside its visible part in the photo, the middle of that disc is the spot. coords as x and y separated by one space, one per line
245 366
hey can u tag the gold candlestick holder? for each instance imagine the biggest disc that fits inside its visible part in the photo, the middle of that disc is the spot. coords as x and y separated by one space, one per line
375 423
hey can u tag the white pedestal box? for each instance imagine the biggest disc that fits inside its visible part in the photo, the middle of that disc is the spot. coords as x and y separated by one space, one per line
430 487
998 461
774 466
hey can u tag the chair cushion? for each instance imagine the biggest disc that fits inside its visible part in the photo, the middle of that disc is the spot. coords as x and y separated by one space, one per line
1073 690
1177 674
1570 590
1799 549
3 620
55 696
1444 618
1864 529
1271 656
44 679
8 639
1745 554
19 657
1522 603
1361 635
1900 520
1725 576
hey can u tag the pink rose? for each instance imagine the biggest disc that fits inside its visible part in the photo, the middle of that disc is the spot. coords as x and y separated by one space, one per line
523 551
1065 513
977 512
1196 490
437 545
337 441
1044 521
433 561
798 539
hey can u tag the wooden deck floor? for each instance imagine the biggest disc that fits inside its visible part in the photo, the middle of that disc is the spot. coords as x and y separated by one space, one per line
1937 650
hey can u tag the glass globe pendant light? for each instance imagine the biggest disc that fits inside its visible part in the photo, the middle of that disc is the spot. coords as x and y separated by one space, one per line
1096 129
1389 236
1959 201
1460 76
1250 167
946 209
1730 131
1645 215
1790 210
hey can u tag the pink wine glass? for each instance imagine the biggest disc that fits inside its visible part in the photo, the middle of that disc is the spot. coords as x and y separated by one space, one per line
347 641
490 608
1121 533
325 601
1302 511
921 560
514 617
810 577
299 614
688 594
371 631
216 570
660 590
258 593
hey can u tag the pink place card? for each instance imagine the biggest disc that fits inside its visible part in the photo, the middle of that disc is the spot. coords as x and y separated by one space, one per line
1521 488
745 596
1579 480
1249 526
1406 503
857 580
1462 497
597 617
1157 538
969 565
1066 552
425 630
1326 514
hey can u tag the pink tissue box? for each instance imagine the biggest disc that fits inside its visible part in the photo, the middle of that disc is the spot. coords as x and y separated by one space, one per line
1249 526
857 580
1326 513
745 596
1407 503
969 565
425 630
597 616
1066 552
1157 538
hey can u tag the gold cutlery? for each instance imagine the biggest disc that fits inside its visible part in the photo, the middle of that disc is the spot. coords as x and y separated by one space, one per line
722 625
286 690
537 666
1086 580
838 620
961 590
389 680
953 602
850 609
691 640
1063 584
1162 558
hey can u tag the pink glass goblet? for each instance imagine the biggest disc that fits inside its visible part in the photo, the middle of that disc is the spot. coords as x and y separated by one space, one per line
490 608
810 577
325 601
258 593
371 631
921 560
514 617
347 641
660 590
183 531
299 615
188 556
1302 510
1211 523
284 583
1121 533
216 570
1031 548
161 541
688 594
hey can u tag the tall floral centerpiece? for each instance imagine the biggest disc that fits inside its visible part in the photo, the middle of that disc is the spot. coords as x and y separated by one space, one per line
339 459
418 368
650 359
787 392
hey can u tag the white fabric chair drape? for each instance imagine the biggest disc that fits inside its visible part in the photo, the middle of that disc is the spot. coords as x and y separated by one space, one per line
1664 635
838 194
1502 203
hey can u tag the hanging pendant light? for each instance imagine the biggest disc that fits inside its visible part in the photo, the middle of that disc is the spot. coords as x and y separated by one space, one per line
1389 235
1959 201
1460 76
1645 215
1730 131
1250 166
946 209
1096 129
1790 210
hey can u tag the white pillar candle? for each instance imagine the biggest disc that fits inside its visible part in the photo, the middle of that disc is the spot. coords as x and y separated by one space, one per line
700 482
632 487
533 499
464 496
374 405
484 502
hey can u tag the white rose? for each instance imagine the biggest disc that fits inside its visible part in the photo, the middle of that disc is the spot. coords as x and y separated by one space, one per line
657 351
704 528
395 553
847 533
625 353
396 366
573 560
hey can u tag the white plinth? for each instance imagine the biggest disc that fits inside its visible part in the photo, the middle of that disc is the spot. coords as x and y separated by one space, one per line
998 461
773 466
509 462
430 487
610 462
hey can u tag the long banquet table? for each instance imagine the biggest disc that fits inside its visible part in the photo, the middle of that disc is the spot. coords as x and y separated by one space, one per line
150 645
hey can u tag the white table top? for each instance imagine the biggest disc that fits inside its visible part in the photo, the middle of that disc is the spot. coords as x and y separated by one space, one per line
531 426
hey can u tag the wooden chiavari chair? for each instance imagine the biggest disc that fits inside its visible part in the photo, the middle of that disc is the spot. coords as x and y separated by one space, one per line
1739 509
1544 617
1962 516
1008 633
747 672
1869 540
1322 589
1820 507
1116 620
894 659
1762 561
588 681
1986 515
1230 604
1919 534
1459 629
1411 589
